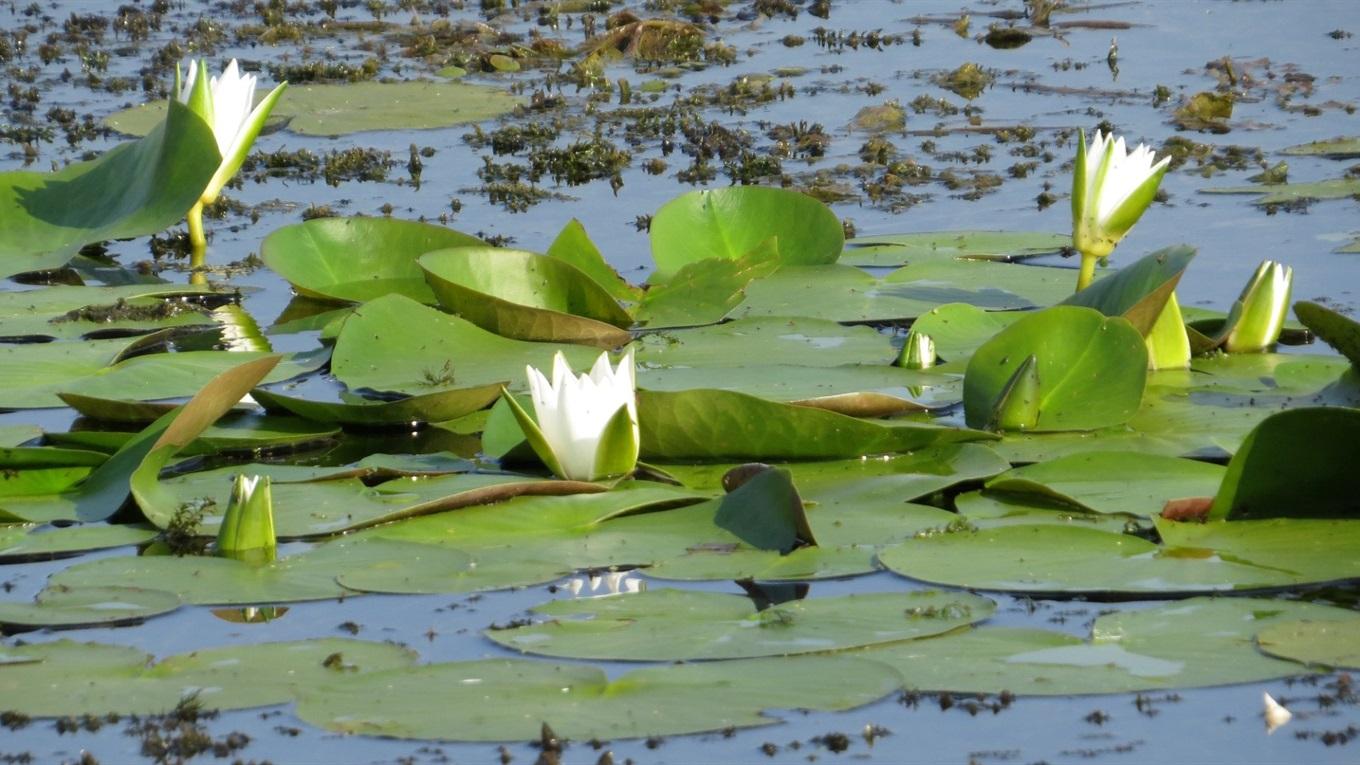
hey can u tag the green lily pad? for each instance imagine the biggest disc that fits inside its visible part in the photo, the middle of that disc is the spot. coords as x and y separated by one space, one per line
1307 550
1050 558
765 511
790 340
705 291
1190 643
137 188
989 509
1333 644
66 313
167 375
901 249
510 700
1090 370
574 247
524 295
48 542
406 412
1140 291
959 329
730 222
1293 465
680 625
88 607
715 425
72 679
1332 148
396 344
1113 482
985 283
358 259
1278 193
847 294
107 487
353 107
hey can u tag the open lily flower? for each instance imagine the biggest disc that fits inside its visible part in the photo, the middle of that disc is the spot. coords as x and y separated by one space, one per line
1261 308
1111 187
587 426
247 531
225 103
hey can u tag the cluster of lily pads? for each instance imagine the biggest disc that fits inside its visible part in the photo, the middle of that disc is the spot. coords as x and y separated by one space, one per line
805 408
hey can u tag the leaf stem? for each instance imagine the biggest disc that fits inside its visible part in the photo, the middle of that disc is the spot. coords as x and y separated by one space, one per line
197 239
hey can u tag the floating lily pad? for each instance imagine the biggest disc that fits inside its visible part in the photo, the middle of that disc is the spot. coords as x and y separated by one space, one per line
1332 148
358 259
67 313
526 296
44 542
70 678
1308 550
172 375
1049 558
1113 482
679 625
396 344
848 294
1196 642
88 607
137 188
959 329
986 283
1090 371
431 407
1277 193
500 700
705 291
1333 644
900 249
730 222
714 424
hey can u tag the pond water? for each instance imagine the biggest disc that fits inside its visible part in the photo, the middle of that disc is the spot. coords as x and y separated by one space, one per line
1295 76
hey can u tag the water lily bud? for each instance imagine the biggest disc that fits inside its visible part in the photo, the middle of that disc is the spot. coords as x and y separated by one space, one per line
1111 187
1018 407
1168 343
247 532
585 428
918 352
1262 309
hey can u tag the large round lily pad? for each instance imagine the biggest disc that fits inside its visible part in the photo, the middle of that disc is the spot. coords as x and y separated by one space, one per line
357 259
730 222
499 700
674 625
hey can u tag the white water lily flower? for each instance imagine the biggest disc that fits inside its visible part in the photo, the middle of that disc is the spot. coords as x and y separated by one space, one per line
587 426
1261 309
226 105
1111 187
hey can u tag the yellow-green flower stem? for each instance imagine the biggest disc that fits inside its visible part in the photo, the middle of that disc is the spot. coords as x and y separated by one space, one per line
1087 274
197 239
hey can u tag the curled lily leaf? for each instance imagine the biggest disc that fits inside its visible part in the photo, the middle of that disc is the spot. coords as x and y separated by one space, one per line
247 532
1263 306
918 352
585 427
1111 188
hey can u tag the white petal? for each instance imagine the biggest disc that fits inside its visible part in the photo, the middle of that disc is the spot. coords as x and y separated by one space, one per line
1276 714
